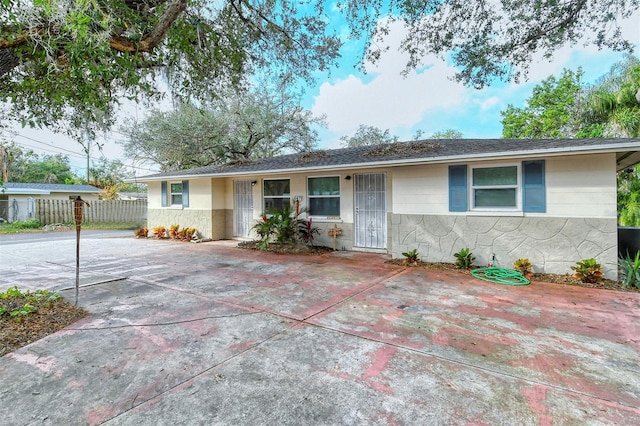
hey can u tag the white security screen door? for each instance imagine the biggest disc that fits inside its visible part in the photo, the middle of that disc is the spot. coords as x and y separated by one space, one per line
243 211
371 210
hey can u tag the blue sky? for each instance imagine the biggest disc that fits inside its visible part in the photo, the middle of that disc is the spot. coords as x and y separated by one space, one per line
427 100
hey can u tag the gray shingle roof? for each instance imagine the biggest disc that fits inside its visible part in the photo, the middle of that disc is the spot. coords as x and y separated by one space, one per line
51 187
426 151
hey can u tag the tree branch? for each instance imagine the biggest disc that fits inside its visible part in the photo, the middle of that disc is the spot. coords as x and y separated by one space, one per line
153 39
20 38
265 19
544 32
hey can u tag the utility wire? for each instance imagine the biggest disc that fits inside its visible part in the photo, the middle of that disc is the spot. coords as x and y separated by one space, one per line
58 149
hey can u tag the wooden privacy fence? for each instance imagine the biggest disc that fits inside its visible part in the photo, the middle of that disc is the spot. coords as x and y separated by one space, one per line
103 211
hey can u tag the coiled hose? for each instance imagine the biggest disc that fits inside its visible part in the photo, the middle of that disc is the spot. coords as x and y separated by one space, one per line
500 276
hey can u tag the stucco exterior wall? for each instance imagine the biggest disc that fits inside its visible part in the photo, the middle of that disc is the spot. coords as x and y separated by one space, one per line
298 186
576 186
218 194
580 221
228 224
582 186
211 224
154 200
343 241
552 244
206 211
200 194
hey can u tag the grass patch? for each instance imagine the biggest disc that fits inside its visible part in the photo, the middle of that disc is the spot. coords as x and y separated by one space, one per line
35 226
114 226
15 227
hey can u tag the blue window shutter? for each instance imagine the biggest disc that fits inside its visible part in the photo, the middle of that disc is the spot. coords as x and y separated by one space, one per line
163 193
185 193
534 198
458 194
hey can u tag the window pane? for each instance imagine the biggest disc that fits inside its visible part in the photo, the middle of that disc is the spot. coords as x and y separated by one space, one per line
176 199
176 188
276 187
275 203
324 206
495 197
324 186
495 176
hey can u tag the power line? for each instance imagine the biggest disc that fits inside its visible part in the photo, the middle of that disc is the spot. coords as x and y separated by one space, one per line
25 145
58 149
48 144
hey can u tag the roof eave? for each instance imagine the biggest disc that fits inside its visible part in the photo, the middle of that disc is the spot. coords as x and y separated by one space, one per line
551 152
17 191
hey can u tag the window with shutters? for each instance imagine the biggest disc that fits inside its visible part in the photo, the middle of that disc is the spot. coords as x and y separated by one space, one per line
510 187
495 188
174 194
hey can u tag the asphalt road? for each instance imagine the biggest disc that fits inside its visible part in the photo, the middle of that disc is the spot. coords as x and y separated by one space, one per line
36 237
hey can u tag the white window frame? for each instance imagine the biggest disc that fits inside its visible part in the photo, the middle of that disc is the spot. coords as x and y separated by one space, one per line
171 193
309 197
284 196
517 187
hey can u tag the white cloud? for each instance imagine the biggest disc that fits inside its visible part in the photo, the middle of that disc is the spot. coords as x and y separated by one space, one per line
384 98
431 101
488 103
388 101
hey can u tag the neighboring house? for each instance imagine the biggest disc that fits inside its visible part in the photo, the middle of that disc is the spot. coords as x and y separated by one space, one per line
17 200
132 196
552 201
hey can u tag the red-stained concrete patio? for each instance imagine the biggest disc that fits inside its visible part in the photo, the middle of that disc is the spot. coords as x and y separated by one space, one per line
212 334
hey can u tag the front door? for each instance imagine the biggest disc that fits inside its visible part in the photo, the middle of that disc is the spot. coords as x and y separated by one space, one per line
371 210
243 211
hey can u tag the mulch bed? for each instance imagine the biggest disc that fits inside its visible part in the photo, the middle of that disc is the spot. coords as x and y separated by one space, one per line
287 248
567 279
16 332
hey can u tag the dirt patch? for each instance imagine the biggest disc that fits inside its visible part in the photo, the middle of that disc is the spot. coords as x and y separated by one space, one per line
566 279
19 331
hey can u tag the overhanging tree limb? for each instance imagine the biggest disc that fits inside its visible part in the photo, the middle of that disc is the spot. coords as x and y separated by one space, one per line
156 35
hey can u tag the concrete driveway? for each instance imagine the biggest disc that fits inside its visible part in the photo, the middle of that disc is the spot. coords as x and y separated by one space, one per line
202 334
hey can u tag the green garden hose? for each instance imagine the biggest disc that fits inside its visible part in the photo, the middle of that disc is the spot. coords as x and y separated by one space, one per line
500 276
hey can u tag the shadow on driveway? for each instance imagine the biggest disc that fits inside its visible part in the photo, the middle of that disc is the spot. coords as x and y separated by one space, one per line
212 334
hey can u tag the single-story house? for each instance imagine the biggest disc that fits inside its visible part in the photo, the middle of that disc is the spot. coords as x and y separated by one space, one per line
131 196
551 201
17 200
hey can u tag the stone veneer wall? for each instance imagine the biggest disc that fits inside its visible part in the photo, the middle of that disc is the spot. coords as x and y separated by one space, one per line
209 223
552 244
228 224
